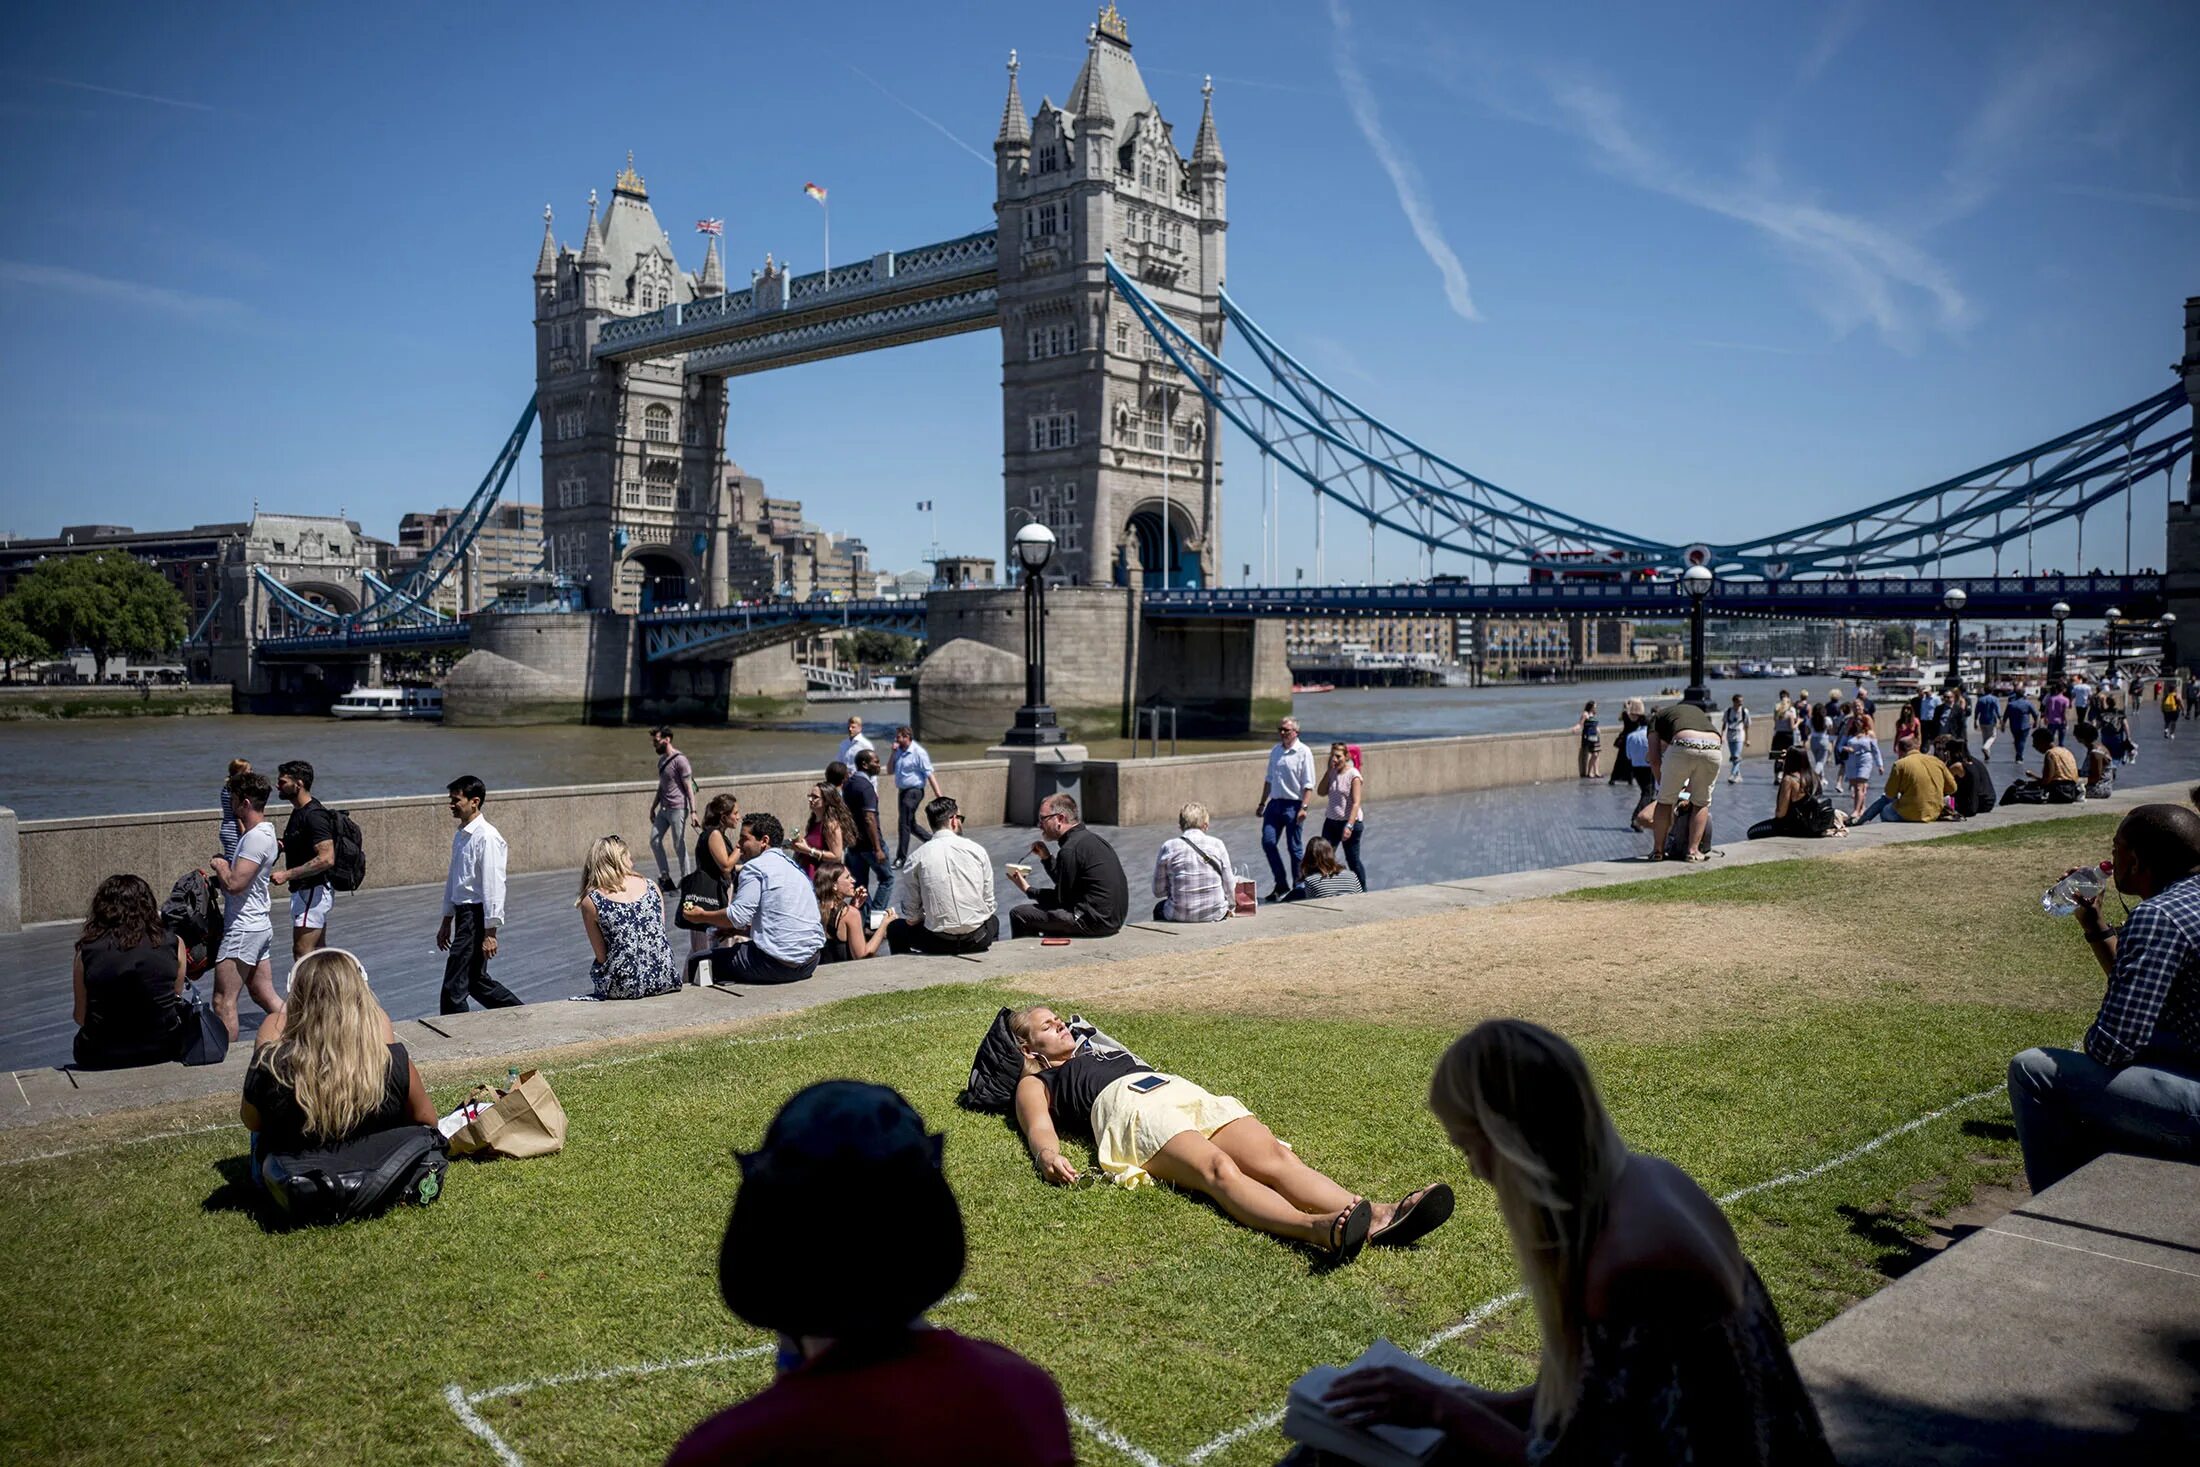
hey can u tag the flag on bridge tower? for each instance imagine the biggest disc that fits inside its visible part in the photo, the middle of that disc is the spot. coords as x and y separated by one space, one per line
710 226
924 506
814 192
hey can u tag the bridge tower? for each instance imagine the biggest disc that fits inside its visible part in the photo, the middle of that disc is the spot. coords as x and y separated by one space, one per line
631 453
2181 569
1104 441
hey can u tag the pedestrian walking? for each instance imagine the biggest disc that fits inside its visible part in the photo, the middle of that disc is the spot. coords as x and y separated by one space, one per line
2171 703
1284 796
2056 713
1862 762
914 782
242 963
854 744
867 857
1632 716
1988 712
1344 818
2019 718
230 832
309 858
1821 745
669 811
1737 738
473 903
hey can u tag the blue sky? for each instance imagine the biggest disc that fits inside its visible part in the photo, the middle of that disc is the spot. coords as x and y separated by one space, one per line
1724 266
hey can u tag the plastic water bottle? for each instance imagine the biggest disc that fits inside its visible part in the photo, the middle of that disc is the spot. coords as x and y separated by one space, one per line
511 1079
2089 882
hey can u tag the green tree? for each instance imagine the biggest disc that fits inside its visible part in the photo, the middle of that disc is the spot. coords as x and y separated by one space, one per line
107 602
18 643
1896 640
868 648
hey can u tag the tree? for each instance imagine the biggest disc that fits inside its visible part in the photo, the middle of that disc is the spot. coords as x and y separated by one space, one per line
1896 639
18 643
107 602
869 648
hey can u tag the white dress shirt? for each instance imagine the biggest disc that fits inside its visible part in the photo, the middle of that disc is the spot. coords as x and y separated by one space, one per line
948 887
851 746
1290 771
477 871
1191 889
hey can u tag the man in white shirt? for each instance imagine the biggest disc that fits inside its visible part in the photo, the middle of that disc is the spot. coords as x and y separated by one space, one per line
247 932
473 896
947 899
1191 874
854 744
1283 800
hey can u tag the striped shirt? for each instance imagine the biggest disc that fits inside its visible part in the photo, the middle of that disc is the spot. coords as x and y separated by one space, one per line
2151 1014
1191 889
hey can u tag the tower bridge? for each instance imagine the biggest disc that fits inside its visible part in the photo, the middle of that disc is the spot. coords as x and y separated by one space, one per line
1103 274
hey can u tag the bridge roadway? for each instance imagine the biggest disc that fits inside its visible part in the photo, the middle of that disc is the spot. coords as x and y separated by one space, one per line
1410 842
671 635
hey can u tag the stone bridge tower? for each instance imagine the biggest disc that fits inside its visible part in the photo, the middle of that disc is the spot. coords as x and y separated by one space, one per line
630 454
1104 440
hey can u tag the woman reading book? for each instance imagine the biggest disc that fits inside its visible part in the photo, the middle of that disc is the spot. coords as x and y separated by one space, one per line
1660 1344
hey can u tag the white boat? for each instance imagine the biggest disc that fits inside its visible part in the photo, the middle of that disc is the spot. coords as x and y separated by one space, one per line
389 703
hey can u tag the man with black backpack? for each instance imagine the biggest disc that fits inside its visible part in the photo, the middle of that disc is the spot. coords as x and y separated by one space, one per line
309 858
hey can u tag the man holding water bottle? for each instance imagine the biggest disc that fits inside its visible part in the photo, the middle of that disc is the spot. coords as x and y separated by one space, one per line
2136 1085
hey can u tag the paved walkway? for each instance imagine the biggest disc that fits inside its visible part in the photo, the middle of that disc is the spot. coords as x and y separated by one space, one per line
393 929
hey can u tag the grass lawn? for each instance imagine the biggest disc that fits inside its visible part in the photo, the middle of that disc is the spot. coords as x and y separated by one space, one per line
154 1320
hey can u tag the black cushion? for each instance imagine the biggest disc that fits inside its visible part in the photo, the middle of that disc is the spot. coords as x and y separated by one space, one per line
996 1069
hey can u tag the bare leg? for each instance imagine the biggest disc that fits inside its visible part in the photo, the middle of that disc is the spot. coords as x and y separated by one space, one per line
1699 820
1856 812
261 985
1661 825
228 983
1193 1162
1268 1161
305 939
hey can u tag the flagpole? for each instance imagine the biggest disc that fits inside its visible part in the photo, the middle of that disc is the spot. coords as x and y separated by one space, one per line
828 206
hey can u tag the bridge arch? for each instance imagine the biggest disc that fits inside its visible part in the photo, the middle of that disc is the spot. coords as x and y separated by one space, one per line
1143 532
655 576
337 597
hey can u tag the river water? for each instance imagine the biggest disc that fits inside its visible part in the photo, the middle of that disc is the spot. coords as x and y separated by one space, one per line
55 769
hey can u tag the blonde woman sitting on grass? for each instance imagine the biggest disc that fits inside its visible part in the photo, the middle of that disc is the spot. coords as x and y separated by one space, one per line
328 1068
1145 1124
625 918
1660 1344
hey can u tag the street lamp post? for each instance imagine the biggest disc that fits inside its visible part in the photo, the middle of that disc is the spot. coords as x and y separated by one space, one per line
2056 658
1696 581
2111 616
2169 650
1035 725
1954 601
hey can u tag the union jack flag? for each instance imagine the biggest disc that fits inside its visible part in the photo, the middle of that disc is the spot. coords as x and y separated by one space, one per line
710 226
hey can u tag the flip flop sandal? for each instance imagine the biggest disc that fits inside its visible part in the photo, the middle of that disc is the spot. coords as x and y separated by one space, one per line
1348 1234
1420 1214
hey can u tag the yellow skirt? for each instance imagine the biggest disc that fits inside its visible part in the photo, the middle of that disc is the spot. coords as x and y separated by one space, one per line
1130 1127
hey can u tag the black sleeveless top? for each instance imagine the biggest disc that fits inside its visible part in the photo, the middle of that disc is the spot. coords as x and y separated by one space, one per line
132 1015
283 1120
836 946
1075 1084
709 866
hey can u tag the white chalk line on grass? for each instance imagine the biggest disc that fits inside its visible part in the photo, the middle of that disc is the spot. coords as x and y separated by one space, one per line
124 1141
1489 1308
1102 1434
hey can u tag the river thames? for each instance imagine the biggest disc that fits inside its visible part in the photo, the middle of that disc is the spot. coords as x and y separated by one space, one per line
55 769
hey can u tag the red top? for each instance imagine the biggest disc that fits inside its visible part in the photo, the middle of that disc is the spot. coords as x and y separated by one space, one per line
942 1400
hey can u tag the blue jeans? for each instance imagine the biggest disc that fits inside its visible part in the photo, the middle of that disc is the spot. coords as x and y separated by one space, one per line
1879 809
1733 755
1281 817
875 872
2070 1108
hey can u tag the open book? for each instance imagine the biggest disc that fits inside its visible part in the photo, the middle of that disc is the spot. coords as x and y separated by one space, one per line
1306 1419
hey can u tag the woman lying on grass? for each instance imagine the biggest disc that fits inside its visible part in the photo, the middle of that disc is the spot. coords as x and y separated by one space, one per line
1145 1124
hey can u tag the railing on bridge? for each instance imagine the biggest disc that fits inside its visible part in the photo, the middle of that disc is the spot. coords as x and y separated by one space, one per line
343 639
675 634
890 283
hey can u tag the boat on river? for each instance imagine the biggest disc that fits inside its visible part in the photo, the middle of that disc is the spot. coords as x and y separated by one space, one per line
411 703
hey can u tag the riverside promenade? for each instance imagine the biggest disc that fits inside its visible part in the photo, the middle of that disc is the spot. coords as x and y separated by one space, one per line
392 930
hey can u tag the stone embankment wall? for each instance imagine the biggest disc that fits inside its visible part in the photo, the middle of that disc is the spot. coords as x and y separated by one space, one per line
109 700
60 862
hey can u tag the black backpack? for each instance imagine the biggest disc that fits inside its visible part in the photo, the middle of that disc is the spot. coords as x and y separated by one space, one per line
193 912
350 871
365 1176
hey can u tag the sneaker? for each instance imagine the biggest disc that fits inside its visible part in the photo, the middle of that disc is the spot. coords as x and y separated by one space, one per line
1277 895
664 883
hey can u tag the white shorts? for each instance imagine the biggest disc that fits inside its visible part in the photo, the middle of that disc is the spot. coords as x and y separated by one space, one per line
246 946
1130 1126
310 908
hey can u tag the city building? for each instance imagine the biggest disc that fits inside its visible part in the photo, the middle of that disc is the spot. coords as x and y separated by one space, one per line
1533 646
964 570
1308 640
191 560
510 544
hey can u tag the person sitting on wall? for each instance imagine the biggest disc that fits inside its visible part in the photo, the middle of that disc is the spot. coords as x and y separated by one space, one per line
1148 1125
1090 896
2057 780
128 978
845 1282
947 900
2136 1085
848 937
1191 873
1918 788
774 904
1322 875
1800 806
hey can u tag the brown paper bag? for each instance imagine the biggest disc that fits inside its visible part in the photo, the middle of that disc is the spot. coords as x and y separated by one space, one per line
525 1121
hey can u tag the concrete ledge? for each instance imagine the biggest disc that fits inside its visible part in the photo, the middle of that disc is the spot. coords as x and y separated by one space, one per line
48 1095
2066 1332
408 839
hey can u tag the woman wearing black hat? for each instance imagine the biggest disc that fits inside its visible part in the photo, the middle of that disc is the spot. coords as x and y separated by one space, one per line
812 1253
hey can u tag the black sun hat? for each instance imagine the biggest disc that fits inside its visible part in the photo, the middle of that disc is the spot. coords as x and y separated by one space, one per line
844 1224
